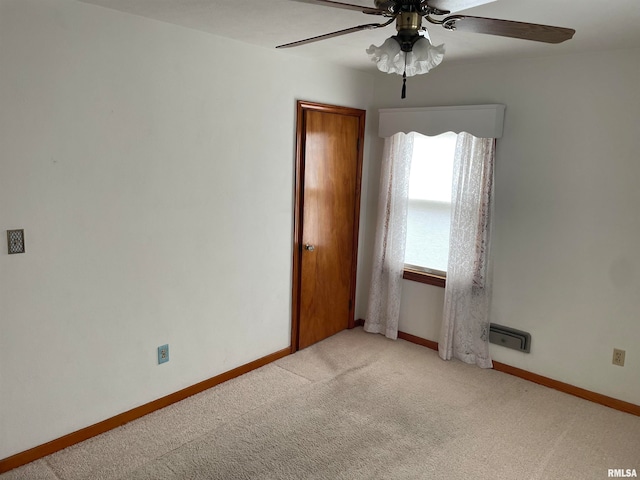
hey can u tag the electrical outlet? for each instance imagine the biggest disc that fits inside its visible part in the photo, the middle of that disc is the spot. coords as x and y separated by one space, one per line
618 357
163 354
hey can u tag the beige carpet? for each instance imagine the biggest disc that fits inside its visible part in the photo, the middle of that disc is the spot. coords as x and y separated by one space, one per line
359 406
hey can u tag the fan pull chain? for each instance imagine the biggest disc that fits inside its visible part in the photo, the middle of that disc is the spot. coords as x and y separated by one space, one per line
404 85
404 78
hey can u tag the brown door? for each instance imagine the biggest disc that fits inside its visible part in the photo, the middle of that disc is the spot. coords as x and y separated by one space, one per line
329 166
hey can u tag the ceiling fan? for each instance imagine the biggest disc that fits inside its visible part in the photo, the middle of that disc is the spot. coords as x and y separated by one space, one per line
409 46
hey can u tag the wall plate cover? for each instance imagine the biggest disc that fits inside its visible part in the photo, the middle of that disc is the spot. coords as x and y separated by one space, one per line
15 241
618 357
163 354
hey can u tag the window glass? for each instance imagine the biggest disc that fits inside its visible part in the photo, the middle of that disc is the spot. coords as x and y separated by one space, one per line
429 215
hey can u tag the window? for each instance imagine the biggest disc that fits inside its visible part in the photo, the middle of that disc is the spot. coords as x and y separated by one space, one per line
429 214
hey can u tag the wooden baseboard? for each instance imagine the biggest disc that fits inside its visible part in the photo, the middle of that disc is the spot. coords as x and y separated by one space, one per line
419 340
407 336
53 446
546 381
570 389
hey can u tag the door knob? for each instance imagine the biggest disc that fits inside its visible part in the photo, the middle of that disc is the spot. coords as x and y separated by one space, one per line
309 248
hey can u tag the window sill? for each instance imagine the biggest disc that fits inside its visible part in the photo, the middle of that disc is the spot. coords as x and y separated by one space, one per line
423 277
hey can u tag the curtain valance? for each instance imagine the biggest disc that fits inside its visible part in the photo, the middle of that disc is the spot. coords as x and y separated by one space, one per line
482 121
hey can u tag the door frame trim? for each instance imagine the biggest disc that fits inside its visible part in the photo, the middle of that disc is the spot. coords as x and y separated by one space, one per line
301 107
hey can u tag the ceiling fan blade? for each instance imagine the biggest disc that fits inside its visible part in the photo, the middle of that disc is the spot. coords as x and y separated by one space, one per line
347 6
369 26
456 5
508 28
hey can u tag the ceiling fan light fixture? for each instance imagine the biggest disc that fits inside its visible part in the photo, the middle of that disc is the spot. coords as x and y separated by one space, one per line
387 56
422 57
410 52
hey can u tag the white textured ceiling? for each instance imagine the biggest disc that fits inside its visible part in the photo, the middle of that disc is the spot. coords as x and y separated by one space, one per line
600 25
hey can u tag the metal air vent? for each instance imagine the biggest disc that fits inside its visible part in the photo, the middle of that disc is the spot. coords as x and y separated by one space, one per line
510 337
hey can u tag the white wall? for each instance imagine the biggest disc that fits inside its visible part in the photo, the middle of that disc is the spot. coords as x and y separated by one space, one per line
567 267
152 169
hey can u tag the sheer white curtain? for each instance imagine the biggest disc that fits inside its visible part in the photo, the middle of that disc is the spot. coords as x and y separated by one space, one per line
383 310
465 327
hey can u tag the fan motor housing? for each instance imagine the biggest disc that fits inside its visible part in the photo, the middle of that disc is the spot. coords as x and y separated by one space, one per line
408 25
409 21
395 6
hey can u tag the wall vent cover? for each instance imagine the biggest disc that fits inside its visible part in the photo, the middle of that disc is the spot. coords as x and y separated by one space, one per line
510 337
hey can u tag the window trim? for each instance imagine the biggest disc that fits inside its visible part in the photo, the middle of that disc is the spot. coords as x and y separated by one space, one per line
425 275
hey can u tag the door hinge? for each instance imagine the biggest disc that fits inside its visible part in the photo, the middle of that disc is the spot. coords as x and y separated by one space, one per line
350 304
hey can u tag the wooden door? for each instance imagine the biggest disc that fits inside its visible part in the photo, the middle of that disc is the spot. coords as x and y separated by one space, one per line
328 176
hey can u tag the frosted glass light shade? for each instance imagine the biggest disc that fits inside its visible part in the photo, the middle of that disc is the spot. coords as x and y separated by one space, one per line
423 57
389 58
